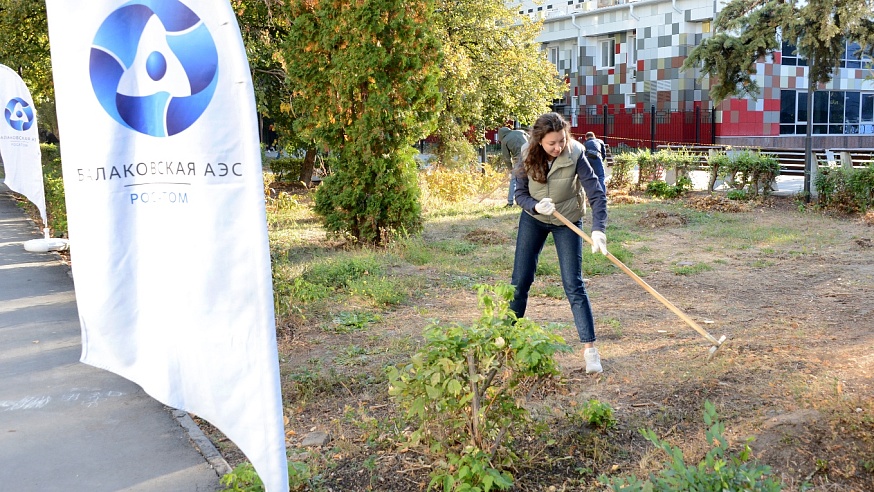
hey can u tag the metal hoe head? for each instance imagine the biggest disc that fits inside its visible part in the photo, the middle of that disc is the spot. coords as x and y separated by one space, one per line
714 348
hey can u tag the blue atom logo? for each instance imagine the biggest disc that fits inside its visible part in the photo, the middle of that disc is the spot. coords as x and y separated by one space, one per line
19 114
154 66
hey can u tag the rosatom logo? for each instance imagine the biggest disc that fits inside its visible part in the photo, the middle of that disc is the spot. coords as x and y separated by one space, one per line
19 114
154 66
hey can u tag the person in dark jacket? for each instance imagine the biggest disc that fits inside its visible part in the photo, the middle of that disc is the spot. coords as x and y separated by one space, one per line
596 152
551 177
511 149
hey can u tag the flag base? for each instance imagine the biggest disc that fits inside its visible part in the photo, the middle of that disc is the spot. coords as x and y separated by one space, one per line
46 245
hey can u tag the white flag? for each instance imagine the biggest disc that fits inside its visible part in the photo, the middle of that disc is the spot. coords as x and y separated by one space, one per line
19 141
165 203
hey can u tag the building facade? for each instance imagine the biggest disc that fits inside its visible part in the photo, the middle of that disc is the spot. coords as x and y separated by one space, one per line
628 55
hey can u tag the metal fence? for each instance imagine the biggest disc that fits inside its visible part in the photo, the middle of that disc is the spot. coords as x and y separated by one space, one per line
638 128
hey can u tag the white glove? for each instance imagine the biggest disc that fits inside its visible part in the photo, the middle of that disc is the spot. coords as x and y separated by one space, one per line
599 242
545 207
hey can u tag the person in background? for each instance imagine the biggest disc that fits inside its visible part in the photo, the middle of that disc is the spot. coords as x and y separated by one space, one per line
552 174
596 152
511 149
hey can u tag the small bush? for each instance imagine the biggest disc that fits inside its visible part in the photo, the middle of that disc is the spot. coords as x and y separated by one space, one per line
620 174
649 168
244 478
466 391
845 190
682 161
717 472
660 189
598 415
739 195
53 183
745 170
286 168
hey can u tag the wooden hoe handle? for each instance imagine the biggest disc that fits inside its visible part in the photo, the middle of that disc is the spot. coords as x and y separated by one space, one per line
642 283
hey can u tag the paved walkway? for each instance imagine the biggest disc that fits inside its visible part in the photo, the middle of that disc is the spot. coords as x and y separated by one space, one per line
66 426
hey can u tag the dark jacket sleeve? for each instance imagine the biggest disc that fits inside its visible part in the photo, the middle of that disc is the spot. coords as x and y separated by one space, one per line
523 196
597 197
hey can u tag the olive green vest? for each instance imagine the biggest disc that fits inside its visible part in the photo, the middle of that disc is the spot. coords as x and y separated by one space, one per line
562 185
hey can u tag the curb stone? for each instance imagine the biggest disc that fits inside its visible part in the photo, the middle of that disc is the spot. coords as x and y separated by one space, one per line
201 442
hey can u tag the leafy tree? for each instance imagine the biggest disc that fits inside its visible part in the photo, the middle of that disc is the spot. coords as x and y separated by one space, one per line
364 79
24 47
748 30
264 24
492 67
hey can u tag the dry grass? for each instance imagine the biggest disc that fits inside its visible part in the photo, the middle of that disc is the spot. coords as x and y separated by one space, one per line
791 291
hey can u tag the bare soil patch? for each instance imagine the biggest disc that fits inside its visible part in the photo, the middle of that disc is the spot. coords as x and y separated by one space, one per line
796 373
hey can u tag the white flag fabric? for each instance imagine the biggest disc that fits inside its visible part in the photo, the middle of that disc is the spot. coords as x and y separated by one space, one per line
165 204
19 141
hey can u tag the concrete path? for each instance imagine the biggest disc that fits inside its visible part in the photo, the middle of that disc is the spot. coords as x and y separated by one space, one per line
66 426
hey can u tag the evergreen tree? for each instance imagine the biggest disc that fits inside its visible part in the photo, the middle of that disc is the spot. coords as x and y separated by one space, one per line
749 30
364 80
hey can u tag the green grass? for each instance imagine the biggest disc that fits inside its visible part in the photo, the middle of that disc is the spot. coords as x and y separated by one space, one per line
691 269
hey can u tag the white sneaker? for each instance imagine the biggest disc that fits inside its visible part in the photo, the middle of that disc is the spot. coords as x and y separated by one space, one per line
593 360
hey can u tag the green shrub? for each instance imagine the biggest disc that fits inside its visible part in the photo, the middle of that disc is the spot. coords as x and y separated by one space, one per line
244 478
286 168
649 168
745 170
53 183
740 195
371 198
620 174
717 472
682 161
51 159
845 190
660 189
465 391
598 415
56 205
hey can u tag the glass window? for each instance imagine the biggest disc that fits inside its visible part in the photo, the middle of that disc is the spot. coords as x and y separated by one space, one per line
867 107
608 52
787 107
820 107
802 106
836 107
790 57
851 108
850 58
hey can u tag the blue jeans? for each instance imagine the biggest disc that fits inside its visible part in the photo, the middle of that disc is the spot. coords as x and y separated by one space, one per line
569 246
511 195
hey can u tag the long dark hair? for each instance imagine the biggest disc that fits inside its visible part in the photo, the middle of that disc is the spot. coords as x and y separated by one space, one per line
536 163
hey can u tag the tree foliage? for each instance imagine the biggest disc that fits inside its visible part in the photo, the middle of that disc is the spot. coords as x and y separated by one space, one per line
263 26
492 68
24 47
364 80
747 30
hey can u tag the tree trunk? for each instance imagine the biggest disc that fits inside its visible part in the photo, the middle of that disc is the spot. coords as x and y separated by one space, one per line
306 170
